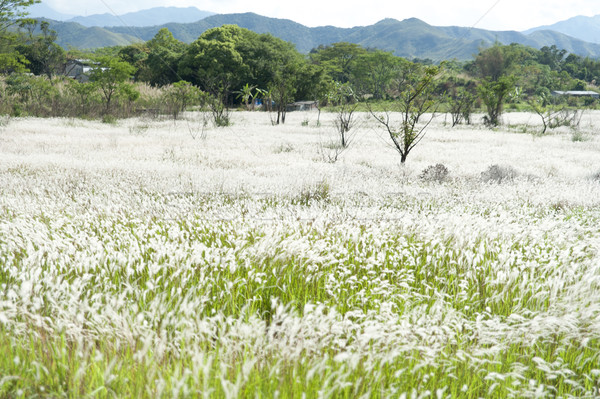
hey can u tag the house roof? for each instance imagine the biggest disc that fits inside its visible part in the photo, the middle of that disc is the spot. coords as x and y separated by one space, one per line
576 93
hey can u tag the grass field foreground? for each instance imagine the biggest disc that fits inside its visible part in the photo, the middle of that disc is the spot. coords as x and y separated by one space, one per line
141 260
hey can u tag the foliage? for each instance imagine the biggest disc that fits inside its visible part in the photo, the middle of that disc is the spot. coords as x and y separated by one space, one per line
493 93
180 95
284 82
338 60
374 73
247 94
13 10
85 96
24 94
164 55
495 67
223 59
220 113
110 76
236 66
44 56
461 95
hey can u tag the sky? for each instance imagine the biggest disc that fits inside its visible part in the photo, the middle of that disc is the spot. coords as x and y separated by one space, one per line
486 14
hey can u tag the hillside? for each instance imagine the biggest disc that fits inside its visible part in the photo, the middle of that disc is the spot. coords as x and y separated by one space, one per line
408 38
580 27
71 34
150 17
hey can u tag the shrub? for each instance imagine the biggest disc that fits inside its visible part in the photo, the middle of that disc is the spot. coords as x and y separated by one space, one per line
180 95
434 173
498 174
317 193
578 136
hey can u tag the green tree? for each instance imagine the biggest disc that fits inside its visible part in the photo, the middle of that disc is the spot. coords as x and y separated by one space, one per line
461 94
214 62
136 55
86 97
494 66
493 94
338 59
551 56
11 61
247 94
317 86
12 10
224 59
374 73
110 77
164 55
44 56
283 87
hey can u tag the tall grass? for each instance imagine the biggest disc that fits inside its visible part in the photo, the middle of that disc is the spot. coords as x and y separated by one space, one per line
127 274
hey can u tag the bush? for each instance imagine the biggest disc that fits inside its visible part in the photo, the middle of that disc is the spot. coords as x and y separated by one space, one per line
317 193
434 173
63 97
578 136
498 174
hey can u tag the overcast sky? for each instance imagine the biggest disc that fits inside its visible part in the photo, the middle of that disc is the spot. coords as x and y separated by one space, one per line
486 14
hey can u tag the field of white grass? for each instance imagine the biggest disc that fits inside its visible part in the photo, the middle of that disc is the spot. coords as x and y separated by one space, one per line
148 259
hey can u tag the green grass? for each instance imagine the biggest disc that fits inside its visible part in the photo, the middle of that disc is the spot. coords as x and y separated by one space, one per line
220 300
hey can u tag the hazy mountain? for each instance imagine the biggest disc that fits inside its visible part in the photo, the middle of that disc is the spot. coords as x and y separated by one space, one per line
583 28
42 10
409 38
150 17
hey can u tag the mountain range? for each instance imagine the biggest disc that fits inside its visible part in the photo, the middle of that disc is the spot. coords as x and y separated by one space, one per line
410 38
580 27
149 17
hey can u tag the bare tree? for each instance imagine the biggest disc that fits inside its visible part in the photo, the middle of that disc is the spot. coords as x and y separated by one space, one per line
554 113
343 96
415 98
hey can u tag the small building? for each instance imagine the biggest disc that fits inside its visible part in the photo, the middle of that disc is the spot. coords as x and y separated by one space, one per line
303 106
79 69
576 93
